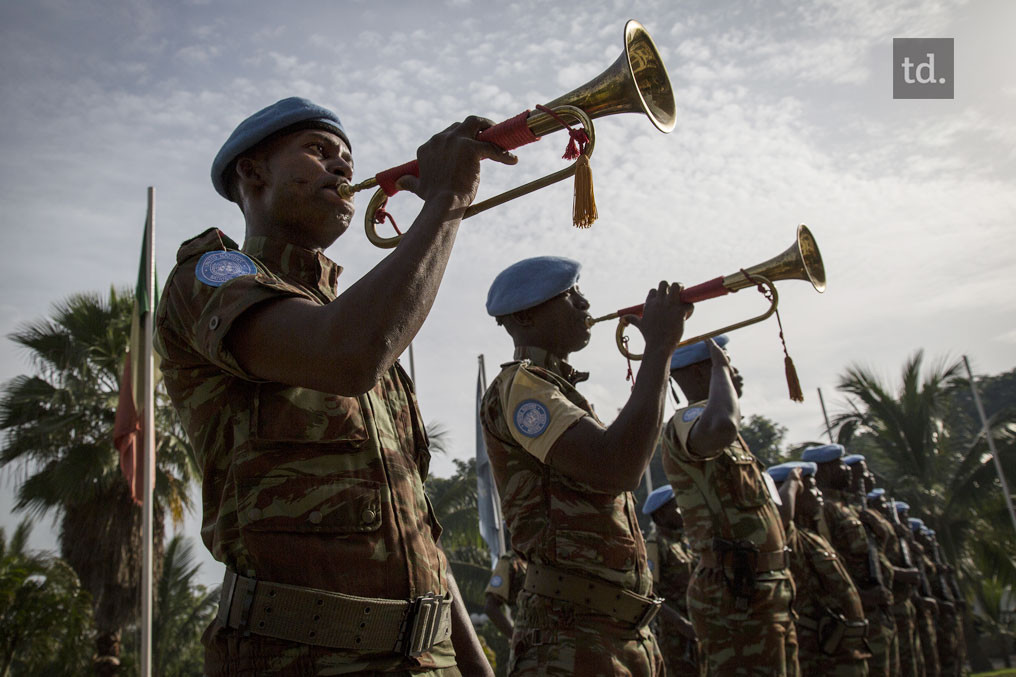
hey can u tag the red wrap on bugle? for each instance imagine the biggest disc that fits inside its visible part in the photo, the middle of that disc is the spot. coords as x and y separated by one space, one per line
507 135
700 292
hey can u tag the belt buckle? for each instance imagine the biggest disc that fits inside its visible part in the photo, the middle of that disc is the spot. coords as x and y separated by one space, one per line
421 624
650 613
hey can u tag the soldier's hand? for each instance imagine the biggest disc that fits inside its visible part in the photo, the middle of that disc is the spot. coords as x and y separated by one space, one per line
450 162
662 321
719 357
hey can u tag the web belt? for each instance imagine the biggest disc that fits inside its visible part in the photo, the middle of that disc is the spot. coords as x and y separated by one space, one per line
602 597
333 619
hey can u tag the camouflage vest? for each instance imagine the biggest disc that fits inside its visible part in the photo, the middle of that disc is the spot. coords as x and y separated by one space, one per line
722 496
554 519
822 580
299 486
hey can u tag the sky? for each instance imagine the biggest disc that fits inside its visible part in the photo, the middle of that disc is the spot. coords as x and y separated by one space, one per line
785 115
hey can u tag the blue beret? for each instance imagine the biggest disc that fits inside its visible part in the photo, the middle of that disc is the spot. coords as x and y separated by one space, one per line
779 472
852 459
915 523
655 500
902 505
696 352
530 282
876 493
264 123
824 453
929 532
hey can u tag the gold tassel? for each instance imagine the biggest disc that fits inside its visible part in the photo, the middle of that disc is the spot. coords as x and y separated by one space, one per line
793 384
584 208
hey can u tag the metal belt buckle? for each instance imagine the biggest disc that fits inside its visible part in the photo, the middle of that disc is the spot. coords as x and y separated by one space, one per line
650 613
421 624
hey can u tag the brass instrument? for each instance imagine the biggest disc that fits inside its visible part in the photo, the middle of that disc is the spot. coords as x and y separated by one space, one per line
801 261
636 82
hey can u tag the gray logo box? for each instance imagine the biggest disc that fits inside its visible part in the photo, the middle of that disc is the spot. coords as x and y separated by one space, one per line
923 68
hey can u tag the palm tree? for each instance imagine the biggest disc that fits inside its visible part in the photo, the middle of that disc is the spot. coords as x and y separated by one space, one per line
45 615
58 426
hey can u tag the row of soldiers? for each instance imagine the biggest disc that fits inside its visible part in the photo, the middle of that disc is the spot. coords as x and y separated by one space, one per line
797 569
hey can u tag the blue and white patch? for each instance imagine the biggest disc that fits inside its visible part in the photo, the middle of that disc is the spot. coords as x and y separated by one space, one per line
218 267
496 581
531 418
652 565
691 413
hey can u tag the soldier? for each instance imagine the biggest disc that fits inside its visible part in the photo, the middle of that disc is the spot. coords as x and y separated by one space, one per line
565 479
672 562
924 601
831 627
502 593
312 447
869 569
740 593
905 576
952 647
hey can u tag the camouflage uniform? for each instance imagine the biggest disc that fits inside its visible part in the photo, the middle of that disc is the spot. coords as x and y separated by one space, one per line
559 522
299 487
744 626
507 578
826 598
672 563
904 613
949 627
847 534
927 607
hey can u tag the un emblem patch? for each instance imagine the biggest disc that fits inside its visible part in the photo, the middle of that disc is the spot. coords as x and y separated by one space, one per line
216 268
691 413
531 418
496 581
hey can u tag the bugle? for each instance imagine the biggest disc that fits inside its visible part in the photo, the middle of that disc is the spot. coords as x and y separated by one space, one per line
637 82
801 261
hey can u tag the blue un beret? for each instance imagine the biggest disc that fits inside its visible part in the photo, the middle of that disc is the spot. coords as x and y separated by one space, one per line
824 453
655 500
851 459
916 523
876 493
779 472
530 282
264 123
696 352
902 505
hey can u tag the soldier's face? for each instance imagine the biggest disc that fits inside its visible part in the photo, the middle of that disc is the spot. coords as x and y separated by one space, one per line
302 173
562 322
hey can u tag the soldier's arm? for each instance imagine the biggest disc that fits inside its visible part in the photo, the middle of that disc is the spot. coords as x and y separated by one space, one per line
614 458
718 424
469 656
682 624
345 346
789 490
494 607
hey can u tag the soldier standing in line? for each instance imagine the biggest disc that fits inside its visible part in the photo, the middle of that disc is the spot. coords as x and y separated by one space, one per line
831 627
924 600
740 593
502 592
672 561
905 576
952 646
859 552
566 480
312 447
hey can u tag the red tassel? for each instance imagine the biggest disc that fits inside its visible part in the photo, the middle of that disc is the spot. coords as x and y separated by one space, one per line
793 384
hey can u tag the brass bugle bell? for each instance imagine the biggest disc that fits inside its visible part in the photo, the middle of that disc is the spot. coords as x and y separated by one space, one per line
801 261
637 82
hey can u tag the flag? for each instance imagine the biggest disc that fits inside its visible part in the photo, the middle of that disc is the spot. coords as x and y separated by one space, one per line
487 501
128 427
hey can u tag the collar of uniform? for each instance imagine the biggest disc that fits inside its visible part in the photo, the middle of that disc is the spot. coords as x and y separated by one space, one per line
307 266
541 358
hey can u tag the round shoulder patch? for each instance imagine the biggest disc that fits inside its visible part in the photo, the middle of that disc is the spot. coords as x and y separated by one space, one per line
531 418
218 267
691 413
496 581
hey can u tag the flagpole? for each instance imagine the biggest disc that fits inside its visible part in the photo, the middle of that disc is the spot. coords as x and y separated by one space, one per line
149 455
991 443
828 428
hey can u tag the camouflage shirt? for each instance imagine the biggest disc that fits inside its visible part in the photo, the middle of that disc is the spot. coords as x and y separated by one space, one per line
299 486
554 519
722 495
672 567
